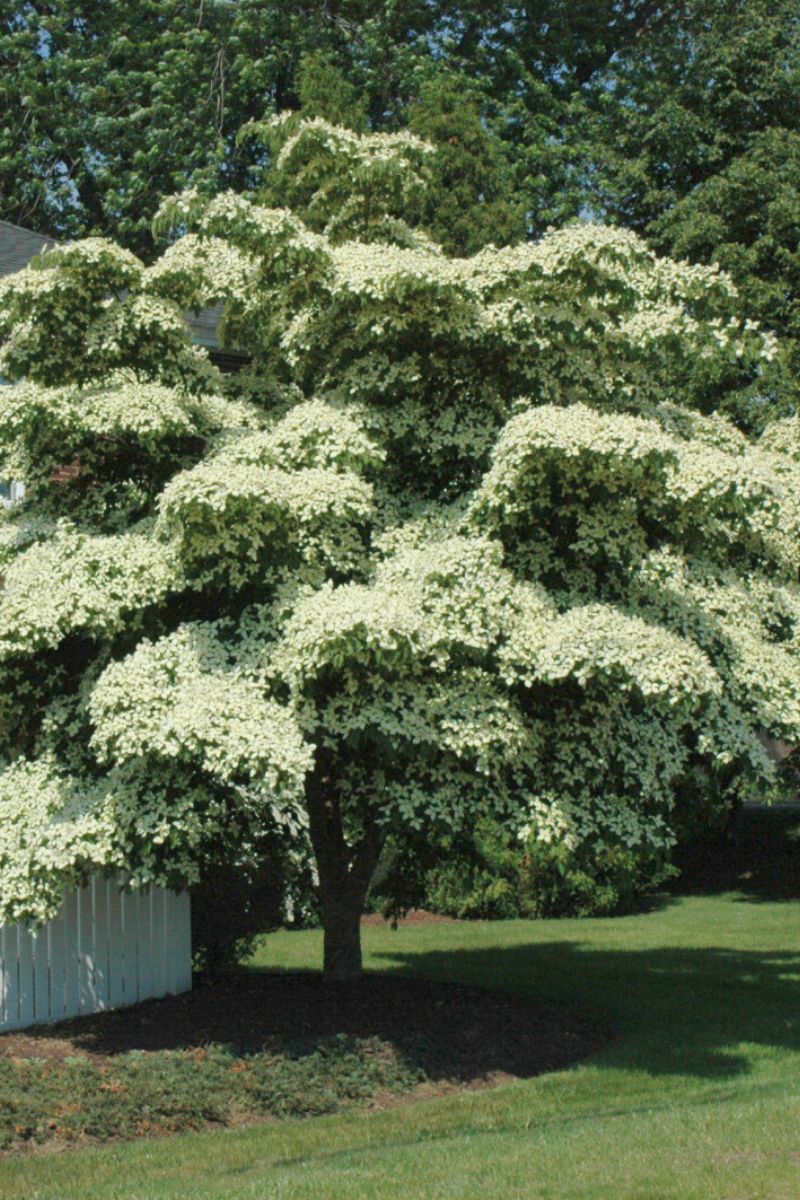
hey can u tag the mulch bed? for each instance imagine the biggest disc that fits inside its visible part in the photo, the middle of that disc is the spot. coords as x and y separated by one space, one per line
459 1036
415 916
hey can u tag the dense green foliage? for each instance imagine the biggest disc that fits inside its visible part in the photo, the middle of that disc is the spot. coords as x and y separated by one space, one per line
486 873
116 105
747 218
490 534
696 126
680 104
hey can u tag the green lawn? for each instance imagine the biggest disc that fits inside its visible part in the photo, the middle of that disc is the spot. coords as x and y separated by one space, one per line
698 1096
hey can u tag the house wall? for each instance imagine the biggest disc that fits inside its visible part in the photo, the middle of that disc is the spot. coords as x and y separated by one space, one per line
105 949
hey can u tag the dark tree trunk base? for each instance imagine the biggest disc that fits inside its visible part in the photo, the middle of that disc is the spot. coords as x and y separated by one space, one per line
342 945
344 870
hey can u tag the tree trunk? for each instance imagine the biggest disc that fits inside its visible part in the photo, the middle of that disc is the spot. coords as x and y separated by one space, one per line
344 874
341 922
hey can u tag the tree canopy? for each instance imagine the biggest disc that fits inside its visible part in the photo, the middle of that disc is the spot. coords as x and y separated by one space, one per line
506 533
696 125
675 120
115 105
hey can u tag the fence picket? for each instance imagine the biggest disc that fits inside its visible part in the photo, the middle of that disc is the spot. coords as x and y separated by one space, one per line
144 943
116 947
106 948
101 987
57 958
180 948
130 942
25 960
72 962
41 974
86 950
10 977
160 942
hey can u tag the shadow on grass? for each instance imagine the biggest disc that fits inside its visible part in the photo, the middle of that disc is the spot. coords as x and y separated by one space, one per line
674 1011
470 1012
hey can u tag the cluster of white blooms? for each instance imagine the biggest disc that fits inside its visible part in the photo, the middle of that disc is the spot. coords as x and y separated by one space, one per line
80 312
470 528
93 263
53 829
598 641
197 271
314 434
52 423
346 182
748 627
222 518
182 698
352 622
343 144
77 583
274 235
783 437
424 605
231 510
621 479
65 290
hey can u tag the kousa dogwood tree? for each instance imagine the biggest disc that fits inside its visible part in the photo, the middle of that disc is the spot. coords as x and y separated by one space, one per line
468 536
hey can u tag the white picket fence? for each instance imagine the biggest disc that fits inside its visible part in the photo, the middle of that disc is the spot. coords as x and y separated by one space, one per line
105 949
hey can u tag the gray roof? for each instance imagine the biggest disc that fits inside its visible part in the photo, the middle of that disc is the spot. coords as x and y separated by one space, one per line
19 246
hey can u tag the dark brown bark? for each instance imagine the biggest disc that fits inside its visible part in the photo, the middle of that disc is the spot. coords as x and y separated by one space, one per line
341 959
344 873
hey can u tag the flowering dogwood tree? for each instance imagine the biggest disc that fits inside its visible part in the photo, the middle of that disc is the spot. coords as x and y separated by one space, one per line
468 536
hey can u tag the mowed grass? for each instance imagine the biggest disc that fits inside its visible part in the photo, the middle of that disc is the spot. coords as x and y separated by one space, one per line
696 1098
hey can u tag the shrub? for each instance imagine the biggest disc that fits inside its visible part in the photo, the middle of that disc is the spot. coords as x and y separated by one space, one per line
555 882
491 875
240 898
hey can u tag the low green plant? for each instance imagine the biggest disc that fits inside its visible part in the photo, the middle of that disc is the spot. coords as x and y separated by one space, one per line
166 1091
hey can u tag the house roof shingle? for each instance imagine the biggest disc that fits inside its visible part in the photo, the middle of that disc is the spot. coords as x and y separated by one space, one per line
19 246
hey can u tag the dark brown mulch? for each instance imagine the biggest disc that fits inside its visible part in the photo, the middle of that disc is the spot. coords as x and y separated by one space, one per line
415 916
458 1035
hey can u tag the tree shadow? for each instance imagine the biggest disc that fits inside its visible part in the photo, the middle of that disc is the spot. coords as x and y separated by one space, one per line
469 1014
672 1010
443 1032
